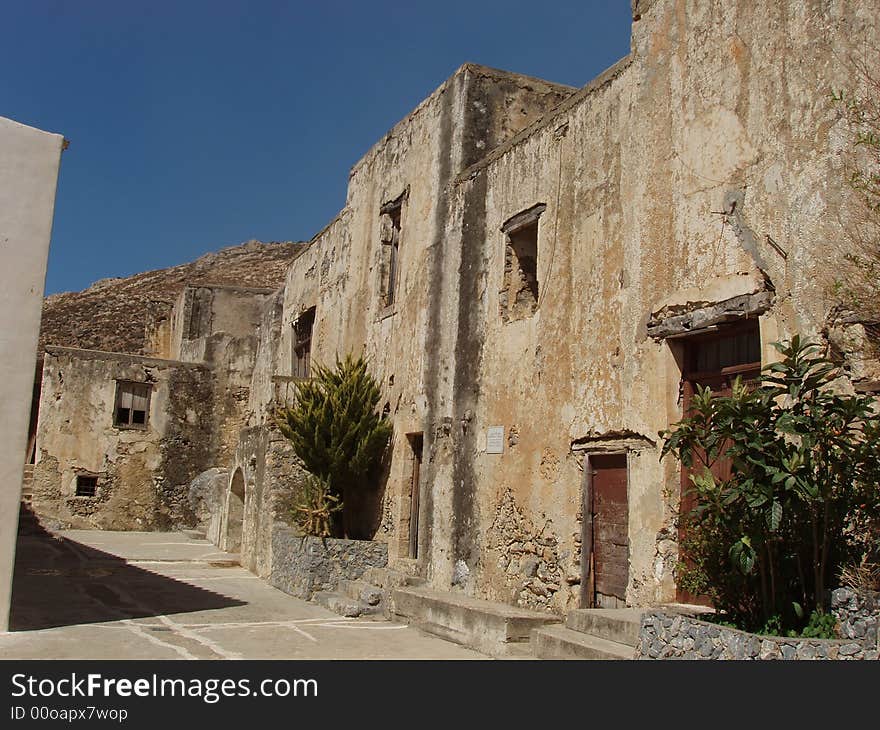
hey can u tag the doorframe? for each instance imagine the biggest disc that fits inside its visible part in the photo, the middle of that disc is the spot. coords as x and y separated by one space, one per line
415 461
588 575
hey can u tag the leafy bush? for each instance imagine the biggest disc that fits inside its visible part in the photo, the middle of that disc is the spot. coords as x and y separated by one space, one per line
802 496
335 430
820 626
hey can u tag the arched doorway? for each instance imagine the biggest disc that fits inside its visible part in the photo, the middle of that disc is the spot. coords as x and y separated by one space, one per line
234 513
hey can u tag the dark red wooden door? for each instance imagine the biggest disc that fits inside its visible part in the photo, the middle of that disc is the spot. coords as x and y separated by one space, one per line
610 528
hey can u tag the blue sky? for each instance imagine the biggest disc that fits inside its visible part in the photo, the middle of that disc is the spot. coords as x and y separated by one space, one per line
198 125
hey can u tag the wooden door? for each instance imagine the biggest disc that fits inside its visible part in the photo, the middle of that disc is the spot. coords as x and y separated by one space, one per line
714 362
610 529
417 443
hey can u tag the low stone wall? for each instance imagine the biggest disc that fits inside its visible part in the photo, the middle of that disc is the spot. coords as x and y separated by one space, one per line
677 636
302 566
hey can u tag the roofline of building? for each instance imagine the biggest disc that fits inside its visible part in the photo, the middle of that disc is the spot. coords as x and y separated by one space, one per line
232 287
138 359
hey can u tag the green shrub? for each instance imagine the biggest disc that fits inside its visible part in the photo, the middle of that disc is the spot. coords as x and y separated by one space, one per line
802 495
335 430
820 626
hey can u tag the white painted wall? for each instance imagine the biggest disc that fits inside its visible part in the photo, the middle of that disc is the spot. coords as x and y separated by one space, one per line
29 161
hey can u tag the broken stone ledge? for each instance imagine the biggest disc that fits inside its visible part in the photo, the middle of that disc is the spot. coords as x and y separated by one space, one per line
672 322
679 636
303 565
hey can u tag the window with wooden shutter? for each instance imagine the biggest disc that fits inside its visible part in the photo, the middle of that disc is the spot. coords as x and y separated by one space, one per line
132 404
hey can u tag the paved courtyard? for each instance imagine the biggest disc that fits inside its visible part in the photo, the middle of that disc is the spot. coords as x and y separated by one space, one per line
135 595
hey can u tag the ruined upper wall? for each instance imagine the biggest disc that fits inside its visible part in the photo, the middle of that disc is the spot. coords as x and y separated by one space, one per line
501 104
740 101
114 314
201 312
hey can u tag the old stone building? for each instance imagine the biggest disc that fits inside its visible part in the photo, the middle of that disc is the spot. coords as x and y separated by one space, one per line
539 276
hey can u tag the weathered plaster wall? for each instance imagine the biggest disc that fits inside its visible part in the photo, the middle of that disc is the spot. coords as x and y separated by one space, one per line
143 474
271 475
199 406
703 172
220 326
203 311
707 112
29 162
338 273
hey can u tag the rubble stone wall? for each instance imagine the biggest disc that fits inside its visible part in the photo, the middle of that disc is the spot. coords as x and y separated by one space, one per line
303 565
677 636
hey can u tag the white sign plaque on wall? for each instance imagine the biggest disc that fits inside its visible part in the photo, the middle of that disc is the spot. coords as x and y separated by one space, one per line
495 440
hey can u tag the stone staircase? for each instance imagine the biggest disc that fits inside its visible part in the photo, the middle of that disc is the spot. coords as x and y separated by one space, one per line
590 633
27 484
496 629
368 595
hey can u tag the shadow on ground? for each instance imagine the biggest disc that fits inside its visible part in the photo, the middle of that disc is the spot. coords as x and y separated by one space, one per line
60 582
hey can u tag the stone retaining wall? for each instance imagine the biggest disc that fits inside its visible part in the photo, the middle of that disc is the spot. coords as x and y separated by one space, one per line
665 635
302 565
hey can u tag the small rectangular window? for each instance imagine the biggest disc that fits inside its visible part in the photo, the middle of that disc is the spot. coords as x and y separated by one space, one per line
302 343
132 405
86 486
519 294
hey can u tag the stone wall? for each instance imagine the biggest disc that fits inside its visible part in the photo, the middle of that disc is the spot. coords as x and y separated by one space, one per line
679 636
302 565
143 473
669 186
272 475
339 274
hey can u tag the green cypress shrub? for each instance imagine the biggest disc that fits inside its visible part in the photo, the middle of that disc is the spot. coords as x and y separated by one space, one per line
335 428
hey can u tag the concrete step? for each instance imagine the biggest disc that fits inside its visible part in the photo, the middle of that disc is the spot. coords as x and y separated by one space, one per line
493 628
361 590
620 625
389 579
558 642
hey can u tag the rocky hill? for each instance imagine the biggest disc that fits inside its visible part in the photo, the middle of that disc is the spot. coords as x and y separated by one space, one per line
109 315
